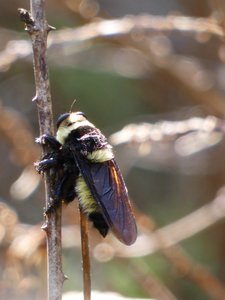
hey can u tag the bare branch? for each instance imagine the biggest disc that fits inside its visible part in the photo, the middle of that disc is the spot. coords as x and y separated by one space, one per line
37 27
85 256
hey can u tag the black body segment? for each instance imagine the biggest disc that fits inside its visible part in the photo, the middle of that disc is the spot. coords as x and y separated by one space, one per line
85 140
99 223
61 118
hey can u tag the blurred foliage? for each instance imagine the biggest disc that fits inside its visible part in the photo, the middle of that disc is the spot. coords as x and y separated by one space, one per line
155 61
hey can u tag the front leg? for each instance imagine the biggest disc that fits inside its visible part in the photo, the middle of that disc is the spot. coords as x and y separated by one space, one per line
63 190
49 161
49 140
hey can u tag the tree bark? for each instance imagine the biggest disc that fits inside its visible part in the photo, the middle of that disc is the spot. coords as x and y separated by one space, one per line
38 29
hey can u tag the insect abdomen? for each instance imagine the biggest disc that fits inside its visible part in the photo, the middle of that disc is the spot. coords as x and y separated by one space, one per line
99 223
90 207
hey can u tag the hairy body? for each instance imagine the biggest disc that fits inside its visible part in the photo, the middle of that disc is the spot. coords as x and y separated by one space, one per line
86 168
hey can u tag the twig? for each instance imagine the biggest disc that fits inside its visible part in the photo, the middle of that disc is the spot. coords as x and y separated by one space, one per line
37 27
85 256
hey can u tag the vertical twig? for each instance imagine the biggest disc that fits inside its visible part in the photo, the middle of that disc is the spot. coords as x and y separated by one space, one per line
85 256
37 27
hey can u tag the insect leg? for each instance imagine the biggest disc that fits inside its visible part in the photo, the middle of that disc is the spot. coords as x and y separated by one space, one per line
49 161
48 140
64 190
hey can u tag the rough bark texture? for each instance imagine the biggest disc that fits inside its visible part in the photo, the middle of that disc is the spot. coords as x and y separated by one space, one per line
37 27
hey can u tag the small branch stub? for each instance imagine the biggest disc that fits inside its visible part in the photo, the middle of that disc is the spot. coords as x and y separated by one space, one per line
28 20
50 28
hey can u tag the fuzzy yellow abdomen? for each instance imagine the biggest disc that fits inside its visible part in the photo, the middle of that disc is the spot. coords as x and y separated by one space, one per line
85 197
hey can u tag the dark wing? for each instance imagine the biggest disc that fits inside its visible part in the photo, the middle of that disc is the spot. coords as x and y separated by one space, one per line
107 186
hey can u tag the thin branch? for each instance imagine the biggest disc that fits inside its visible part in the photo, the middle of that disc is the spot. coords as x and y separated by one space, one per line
37 27
85 256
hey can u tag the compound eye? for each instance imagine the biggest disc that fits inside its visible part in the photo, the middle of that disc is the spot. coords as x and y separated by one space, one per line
80 113
61 119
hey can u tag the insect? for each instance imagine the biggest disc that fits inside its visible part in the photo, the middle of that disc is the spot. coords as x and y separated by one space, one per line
85 167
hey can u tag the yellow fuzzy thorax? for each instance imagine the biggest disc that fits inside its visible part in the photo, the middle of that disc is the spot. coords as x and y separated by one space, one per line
101 155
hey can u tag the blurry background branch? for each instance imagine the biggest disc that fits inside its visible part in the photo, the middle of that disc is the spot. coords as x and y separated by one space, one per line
135 26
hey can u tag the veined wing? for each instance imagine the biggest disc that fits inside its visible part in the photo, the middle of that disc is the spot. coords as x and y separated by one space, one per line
108 189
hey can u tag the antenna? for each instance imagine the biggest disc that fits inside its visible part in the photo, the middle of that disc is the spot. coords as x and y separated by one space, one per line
72 105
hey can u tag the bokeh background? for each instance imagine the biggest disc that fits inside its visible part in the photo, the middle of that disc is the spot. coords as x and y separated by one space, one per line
151 75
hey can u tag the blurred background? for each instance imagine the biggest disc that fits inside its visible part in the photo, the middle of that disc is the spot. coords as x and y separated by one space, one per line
151 76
